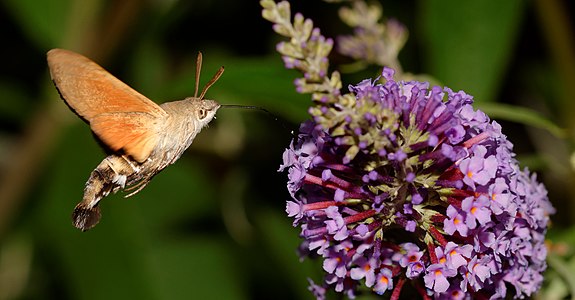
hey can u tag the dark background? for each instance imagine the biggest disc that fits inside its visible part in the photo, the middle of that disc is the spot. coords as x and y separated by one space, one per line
213 225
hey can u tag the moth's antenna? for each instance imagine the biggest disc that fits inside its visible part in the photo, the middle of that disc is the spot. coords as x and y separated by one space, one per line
198 69
211 82
275 117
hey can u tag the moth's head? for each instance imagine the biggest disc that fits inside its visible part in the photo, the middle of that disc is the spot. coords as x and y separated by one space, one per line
205 110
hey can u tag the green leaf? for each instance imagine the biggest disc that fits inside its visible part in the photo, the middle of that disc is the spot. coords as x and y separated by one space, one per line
566 271
265 82
468 43
521 115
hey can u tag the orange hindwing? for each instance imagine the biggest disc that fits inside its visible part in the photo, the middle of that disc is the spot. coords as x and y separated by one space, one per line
120 116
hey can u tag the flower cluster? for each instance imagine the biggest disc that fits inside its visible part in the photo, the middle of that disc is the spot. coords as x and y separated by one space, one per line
371 41
409 183
398 184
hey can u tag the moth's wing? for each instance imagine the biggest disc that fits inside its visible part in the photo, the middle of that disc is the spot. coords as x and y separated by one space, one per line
134 132
120 116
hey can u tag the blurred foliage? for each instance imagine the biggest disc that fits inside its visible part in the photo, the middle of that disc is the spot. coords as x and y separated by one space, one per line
213 225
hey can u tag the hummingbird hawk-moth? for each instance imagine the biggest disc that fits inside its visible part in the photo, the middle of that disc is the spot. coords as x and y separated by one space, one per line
142 136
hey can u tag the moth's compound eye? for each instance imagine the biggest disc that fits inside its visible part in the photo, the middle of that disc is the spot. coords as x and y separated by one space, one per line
202 114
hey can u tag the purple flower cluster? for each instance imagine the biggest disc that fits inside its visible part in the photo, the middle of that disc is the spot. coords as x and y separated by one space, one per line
401 184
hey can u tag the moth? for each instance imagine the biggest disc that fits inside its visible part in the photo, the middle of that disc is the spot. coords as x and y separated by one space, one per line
142 136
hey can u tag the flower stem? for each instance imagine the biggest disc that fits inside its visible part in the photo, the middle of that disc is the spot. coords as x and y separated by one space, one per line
319 205
359 216
397 289
437 235
476 139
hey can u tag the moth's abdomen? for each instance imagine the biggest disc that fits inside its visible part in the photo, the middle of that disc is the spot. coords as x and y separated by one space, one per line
108 177
85 217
